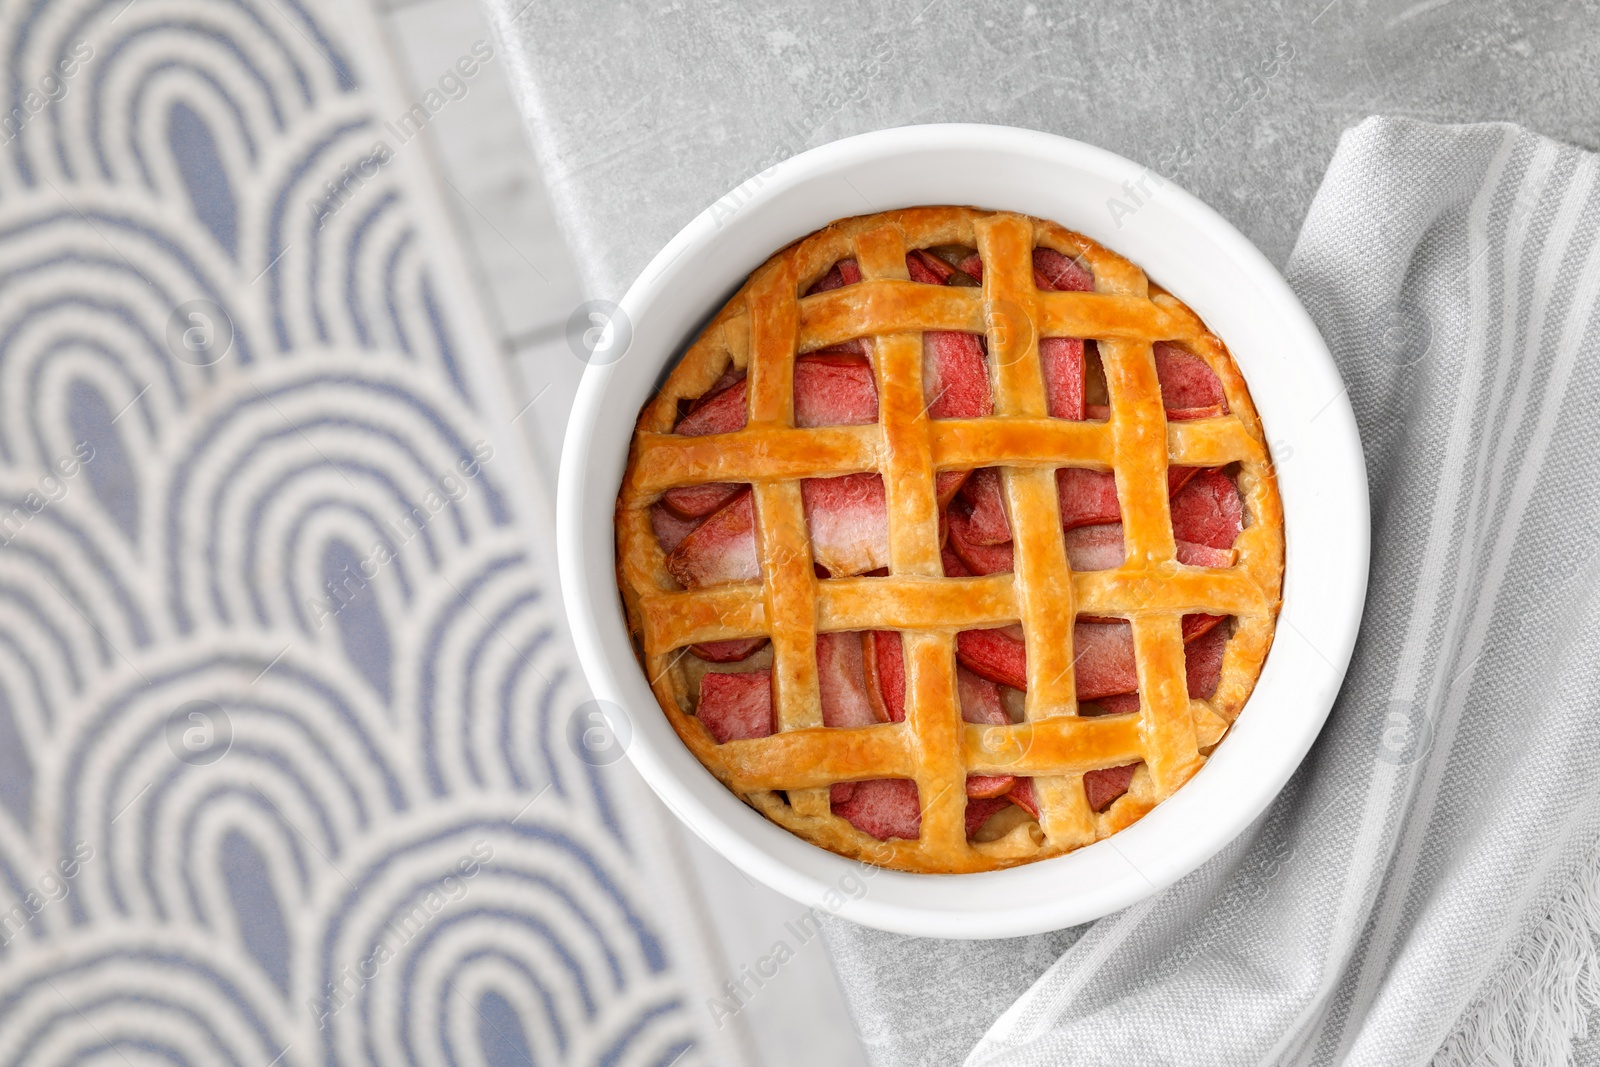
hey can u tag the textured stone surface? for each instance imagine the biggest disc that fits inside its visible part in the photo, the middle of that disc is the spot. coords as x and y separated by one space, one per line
893 984
645 113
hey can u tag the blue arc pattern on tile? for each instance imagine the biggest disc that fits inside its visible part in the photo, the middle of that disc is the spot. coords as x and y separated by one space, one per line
284 776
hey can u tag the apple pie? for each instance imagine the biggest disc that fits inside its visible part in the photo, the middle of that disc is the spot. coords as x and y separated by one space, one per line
952 542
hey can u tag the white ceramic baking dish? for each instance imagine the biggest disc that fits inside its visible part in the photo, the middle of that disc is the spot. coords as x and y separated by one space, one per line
1186 247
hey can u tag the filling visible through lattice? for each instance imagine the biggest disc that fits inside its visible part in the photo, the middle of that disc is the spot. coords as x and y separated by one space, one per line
708 534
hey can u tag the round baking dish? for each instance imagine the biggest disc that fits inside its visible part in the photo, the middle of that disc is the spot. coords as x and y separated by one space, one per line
1189 250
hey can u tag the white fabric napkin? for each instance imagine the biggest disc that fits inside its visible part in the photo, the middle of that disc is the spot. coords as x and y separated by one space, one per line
1425 889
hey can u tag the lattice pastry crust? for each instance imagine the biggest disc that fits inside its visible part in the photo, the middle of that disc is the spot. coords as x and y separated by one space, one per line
761 332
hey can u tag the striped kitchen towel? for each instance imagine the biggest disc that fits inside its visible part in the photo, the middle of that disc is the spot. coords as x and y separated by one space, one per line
1426 888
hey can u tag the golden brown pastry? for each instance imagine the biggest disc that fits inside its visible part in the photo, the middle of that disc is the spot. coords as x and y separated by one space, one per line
952 542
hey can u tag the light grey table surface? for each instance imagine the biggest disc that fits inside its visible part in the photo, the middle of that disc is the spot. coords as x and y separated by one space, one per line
645 113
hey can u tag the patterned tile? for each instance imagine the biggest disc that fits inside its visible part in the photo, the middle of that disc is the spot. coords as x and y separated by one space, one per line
294 768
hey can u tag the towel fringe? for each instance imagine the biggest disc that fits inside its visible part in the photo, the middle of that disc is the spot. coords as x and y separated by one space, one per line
1530 1014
